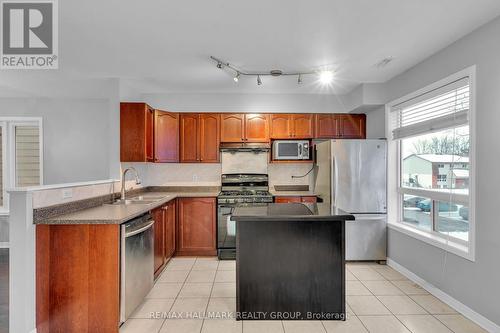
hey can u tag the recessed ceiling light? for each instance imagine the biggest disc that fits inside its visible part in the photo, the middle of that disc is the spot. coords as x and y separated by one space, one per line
326 77
237 77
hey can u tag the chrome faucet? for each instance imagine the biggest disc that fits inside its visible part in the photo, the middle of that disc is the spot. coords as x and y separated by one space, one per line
137 181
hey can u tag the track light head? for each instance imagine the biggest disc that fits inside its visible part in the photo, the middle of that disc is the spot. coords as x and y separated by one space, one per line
259 81
219 65
237 77
299 79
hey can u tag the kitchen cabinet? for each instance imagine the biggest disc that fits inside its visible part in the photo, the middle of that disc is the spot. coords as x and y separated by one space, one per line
136 132
327 126
292 126
170 227
232 128
256 127
164 235
158 215
148 135
199 138
166 134
295 199
196 226
78 278
353 126
252 127
340 126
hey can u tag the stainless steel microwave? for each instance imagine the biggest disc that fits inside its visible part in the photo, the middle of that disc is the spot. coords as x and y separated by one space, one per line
291 150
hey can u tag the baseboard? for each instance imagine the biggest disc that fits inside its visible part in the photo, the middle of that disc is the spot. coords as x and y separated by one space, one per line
460 307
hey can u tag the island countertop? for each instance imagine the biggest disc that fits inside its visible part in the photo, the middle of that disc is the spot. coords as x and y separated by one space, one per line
287 211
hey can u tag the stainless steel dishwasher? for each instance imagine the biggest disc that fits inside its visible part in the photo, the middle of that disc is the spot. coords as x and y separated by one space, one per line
137 263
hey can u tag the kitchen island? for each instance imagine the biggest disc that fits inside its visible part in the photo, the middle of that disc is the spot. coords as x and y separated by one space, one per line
290 262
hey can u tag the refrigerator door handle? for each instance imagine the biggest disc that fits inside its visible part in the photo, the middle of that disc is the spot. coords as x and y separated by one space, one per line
334 183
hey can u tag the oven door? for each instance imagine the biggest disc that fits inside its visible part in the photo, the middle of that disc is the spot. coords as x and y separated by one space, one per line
226 232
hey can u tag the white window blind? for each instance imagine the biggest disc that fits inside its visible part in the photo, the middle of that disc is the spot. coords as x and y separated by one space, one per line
27 141
439 109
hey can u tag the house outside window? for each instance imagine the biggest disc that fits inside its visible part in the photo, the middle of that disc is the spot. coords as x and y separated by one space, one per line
431 158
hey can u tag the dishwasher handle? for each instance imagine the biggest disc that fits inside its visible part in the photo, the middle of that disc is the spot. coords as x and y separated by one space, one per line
139 230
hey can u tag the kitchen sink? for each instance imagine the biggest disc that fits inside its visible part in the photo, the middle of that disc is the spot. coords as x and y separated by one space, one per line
146 197
133 202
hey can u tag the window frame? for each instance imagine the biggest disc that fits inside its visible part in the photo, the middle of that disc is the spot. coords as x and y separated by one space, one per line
396 191
8 125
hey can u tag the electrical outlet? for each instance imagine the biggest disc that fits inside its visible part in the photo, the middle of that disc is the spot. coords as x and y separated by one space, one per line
67 193
195 178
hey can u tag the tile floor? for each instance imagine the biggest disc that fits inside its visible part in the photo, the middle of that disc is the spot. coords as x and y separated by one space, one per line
379 299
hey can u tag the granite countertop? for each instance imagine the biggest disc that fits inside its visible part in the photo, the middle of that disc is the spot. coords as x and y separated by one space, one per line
292 193
117 214
290 211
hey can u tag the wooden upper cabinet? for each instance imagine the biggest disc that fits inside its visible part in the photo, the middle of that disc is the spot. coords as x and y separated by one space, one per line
327 126
256 127
302 126
340 126
209 138
280 126
232 128
199 137
353 126
136 132
166 130
196 226
189 137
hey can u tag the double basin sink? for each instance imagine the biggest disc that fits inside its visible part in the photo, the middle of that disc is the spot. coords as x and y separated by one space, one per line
139 200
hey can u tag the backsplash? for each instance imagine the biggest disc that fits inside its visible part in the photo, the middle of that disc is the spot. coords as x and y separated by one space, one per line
281 174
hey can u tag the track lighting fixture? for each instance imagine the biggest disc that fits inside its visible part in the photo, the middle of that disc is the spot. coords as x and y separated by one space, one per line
325 77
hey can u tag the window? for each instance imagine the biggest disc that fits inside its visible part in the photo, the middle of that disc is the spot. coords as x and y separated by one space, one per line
20 155
432 150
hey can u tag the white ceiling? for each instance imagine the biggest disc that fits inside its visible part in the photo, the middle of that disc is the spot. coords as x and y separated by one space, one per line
164 46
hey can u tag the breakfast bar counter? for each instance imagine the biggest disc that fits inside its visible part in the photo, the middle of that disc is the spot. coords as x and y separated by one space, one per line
290 262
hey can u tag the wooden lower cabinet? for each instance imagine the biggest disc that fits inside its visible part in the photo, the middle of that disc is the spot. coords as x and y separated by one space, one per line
164 235
77 278
305 199
196 226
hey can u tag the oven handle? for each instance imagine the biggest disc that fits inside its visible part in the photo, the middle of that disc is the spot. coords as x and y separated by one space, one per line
138 231
230 212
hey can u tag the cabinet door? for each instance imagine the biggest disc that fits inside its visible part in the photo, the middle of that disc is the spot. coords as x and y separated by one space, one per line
150 134
196 226
158 215
302 126
257 128
166 136
280 126
170 230
232 128
353 126
189 137
209 138
327 126
287 199
136 132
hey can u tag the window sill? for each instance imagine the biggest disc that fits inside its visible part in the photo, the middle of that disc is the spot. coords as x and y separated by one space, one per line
436 240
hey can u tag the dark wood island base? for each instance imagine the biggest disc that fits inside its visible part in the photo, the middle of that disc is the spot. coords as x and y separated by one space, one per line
290 263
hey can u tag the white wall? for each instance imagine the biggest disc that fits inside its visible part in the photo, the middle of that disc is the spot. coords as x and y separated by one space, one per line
475 284
375 124
75 135
247 102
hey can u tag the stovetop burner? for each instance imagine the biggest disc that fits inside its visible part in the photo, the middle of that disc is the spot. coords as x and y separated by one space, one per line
245 188
244 193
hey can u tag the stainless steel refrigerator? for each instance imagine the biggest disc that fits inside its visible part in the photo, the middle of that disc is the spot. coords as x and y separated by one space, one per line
351 175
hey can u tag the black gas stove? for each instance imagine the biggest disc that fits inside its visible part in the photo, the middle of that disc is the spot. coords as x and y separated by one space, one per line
237 190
